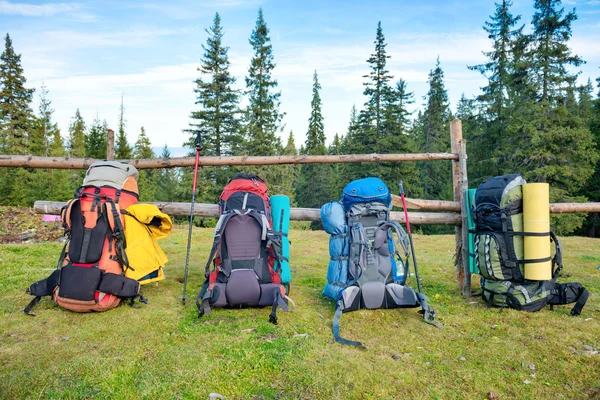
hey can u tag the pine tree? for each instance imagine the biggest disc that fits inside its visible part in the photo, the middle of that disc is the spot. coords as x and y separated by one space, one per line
43 129
77 136
585 102
123 150
167 185
354 143
315 137
501 30
552 144
288 174
396 138
550 50
377 85
95 139
315 180
147 180
143 146
337 170
433 137
16 115
263 119
217 120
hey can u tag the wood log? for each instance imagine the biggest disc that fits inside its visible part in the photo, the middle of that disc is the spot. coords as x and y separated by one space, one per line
560 208
296 214
110 145
426 205
148 163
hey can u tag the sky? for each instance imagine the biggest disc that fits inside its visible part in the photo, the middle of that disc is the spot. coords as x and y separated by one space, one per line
90 53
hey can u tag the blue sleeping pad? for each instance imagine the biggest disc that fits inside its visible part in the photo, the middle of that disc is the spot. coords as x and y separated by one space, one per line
334 223
280 215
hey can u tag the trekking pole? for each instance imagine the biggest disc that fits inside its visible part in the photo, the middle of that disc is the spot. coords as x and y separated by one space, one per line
428 313
189 241
412 247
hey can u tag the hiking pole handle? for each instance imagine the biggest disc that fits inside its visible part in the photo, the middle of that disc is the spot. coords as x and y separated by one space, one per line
198 141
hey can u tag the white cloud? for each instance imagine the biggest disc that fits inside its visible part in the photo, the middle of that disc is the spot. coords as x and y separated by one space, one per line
44 10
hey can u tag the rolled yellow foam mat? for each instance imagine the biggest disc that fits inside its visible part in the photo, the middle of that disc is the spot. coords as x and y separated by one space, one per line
536 218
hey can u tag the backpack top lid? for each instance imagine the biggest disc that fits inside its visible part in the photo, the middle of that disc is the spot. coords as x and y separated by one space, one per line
245 183
118 175
366 190
500 190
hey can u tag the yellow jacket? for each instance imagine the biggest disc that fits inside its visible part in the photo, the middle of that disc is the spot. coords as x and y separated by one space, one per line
144 224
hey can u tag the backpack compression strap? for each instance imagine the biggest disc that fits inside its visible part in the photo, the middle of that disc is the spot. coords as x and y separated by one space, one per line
279 302
335 327
45 287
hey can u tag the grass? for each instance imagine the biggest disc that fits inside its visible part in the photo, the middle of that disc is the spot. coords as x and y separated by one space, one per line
163 350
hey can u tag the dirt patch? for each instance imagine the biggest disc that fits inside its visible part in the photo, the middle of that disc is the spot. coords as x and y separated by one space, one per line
23 225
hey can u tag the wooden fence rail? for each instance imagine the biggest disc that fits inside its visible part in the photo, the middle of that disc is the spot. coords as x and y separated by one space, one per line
296 214
148 163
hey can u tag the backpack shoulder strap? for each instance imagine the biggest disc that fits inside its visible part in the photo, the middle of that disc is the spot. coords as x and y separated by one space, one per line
112 211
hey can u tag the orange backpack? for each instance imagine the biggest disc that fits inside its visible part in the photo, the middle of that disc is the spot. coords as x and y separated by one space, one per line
90 274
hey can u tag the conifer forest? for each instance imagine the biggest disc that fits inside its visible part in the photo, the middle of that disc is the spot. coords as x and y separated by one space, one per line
532 117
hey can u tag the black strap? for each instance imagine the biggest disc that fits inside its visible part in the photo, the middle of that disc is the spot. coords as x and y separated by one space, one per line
581 300
119 237
204 299
535 260
539 234
42 288
32 303
340 235
335 327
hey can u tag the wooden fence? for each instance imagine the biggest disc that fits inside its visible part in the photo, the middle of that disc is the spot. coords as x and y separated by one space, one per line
434 212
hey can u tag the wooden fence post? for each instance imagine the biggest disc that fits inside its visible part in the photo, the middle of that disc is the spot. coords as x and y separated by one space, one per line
110 145
459 183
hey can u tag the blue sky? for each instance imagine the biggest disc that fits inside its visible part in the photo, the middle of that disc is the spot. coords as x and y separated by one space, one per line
89 53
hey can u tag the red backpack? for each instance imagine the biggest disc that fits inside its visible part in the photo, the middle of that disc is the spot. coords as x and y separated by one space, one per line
244 252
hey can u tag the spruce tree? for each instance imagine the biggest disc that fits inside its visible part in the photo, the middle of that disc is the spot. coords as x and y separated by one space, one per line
376 86
433 138
143 146
552 55
76 143
16 116
167 186
354 143
217 120
43 129
397 138
337 170
553 144
147 181
503 32
95 139
262 117
315 137
123 150
283 178
315 181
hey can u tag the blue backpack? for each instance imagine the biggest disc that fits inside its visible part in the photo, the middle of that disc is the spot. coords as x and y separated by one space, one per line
367 268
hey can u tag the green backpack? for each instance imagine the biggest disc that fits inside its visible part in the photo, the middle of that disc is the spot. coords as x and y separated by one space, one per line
499 254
